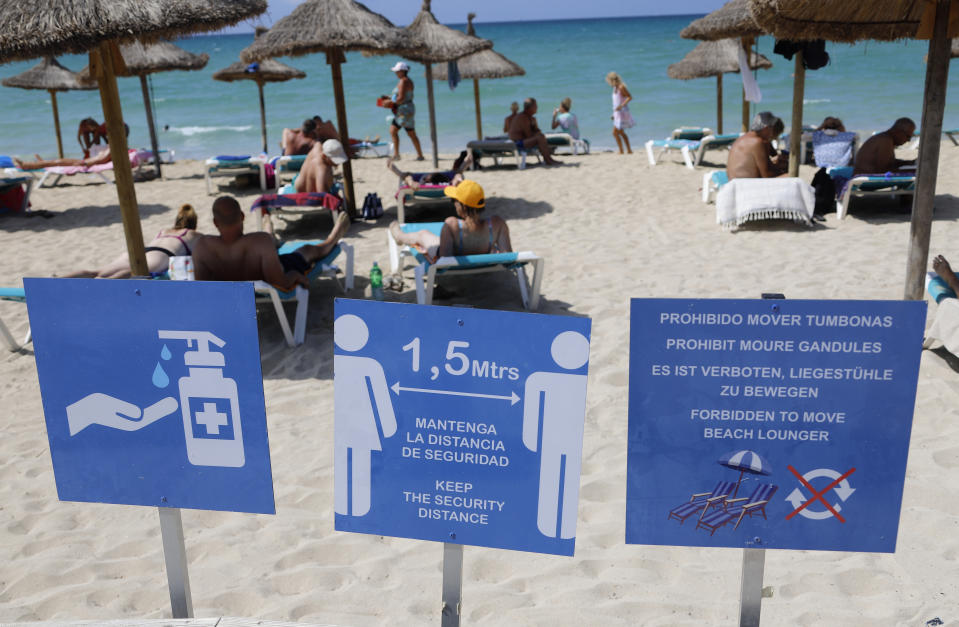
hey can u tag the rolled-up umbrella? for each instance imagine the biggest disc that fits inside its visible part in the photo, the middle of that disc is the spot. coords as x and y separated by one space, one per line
745 461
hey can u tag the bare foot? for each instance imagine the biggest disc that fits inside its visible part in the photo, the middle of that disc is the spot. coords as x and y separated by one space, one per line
18 163
941 266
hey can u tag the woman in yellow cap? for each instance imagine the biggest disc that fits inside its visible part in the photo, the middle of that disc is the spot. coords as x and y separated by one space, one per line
467 234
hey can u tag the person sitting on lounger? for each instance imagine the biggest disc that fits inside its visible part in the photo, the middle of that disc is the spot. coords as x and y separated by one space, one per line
168 243
565 120
513 111
298 141
414 180
877 155
467 234
751 155
233 256
316 175
525 132
831 123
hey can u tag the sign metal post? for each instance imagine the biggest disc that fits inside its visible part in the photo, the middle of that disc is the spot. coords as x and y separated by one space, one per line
751 594
452 584
174 555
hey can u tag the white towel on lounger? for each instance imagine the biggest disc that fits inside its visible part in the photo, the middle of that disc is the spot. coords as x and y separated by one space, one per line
742 200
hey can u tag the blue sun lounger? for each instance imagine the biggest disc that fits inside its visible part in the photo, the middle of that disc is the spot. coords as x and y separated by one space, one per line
738 509
426 271
888 184
227 165
691 149
702 501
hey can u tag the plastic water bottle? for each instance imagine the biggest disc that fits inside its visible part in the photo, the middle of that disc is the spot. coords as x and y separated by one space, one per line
376 282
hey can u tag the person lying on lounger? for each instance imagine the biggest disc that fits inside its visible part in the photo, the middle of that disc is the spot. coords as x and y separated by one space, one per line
752 156
99 155
168 243
414 180
877 155
233 256
467 234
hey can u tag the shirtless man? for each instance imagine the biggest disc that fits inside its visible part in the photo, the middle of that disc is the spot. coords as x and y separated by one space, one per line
878 154
233 256
750 155
298 141
513 110
525 132
316 175
99 155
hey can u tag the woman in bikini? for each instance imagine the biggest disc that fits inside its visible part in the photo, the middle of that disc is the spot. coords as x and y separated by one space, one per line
168 243
467 234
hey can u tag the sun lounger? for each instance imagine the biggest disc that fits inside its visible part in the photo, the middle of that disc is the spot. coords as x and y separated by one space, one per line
887 185
58 172
499 149
366 148
692 150
426 271
743 200
690 132
12 178
145 155
226 165
737 509
286 167
430 194
17 295
713 182
702 501
565 140
295 204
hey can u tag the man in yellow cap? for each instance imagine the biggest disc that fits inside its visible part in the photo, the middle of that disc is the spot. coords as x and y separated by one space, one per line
467 234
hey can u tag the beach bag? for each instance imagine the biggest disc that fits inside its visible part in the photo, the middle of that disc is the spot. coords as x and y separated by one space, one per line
825 189
372 207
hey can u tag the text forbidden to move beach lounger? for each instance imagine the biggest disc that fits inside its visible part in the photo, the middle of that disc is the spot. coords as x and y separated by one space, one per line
770 423
152 392
459 425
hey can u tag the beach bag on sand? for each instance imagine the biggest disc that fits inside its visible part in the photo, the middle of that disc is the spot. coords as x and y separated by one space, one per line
825 189
372 207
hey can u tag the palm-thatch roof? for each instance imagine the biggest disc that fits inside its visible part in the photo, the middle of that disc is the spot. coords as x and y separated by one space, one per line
439 43
714 58
49 75
161 56
838 20
731 20
482 64
265 71
326 25
48 27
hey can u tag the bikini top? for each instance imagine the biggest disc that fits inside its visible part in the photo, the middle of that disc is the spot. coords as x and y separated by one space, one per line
178 236
493 247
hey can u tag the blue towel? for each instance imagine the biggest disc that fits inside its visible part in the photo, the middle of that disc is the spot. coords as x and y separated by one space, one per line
232 157
6 162
938 289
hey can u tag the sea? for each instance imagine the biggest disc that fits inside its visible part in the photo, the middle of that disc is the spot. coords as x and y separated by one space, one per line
868 85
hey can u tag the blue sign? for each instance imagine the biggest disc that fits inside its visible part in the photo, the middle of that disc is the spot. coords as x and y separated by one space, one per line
770 423
152 392
459 425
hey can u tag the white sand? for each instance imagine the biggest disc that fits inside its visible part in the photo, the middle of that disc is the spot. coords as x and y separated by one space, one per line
611 228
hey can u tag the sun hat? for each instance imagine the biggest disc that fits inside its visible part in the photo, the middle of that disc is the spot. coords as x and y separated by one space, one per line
467 192
333 149
400 66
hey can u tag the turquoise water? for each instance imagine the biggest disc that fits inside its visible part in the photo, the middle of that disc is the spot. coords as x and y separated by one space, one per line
868 85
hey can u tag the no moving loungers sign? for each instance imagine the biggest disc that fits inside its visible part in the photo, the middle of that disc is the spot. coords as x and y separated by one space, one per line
770 423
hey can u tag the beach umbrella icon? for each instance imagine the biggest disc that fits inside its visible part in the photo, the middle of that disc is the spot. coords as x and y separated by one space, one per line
745 461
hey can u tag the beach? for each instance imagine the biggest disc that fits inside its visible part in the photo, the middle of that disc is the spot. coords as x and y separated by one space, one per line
611 228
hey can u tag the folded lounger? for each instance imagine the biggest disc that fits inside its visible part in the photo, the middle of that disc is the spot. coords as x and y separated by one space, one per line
565 140
228 165
17 295
499 149
426 271
295 204
887 185
743 200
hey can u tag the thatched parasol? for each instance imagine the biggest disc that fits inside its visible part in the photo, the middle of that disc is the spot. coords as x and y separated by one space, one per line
333 27
162 56
266 71
440 44
482 64
840 20
715 58
50 75
46 27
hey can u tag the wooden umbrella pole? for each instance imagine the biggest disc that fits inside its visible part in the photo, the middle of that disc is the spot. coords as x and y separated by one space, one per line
56 121
746 44
102 58
933 104
335 58
151 125
429 96
719 104
795 133
259 86
476 100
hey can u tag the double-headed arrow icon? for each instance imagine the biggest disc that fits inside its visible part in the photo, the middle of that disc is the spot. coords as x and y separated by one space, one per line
513 397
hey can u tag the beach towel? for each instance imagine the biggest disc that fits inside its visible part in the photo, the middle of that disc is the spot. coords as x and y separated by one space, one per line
945 326
298 199
742 200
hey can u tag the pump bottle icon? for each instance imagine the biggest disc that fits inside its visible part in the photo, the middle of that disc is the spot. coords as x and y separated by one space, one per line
209 403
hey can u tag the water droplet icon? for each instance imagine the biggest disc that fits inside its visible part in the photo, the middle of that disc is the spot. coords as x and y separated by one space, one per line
165 353
160 378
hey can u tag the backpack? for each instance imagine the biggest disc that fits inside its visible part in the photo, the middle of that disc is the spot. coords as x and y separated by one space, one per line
372 207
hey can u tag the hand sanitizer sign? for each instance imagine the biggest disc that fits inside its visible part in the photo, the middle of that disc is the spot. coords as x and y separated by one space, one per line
152 392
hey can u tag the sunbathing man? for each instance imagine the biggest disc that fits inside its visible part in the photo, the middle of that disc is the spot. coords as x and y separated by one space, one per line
878 154
316 175
233 256
513 110
414 180
751 155
525 132
99 155
298 141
